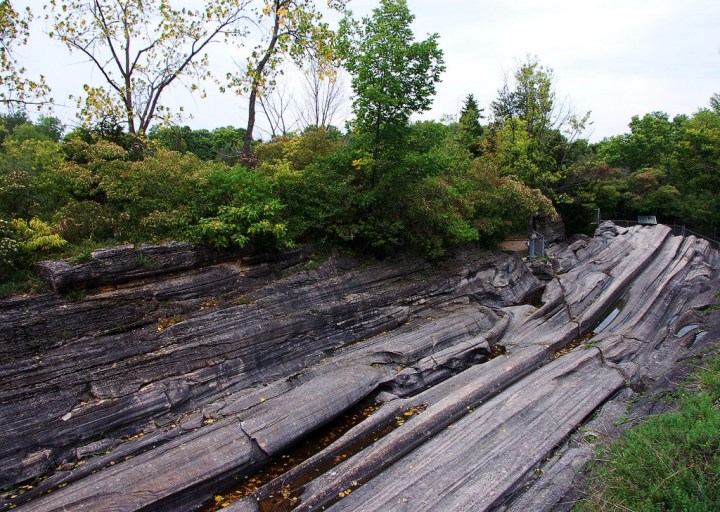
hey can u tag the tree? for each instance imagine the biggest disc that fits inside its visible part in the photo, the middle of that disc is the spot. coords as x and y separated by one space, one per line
715 103
10 121
324 96
532 136
15 88
294 29
469 127
227 144
275 106
393 75
530 98
223 144
140 48
649 144
174 138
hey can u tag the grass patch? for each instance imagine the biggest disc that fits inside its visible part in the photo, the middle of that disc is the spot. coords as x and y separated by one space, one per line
20 282
81 252
670 461
242 300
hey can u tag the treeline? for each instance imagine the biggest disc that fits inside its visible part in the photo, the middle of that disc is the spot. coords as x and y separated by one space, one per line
447 184
668 167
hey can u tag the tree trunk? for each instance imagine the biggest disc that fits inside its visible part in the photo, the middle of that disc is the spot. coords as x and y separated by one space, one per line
256 81
376 154
251 122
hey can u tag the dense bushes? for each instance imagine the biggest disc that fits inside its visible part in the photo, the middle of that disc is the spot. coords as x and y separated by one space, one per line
429 195
167 195
316 187
92 191
234 207
433 196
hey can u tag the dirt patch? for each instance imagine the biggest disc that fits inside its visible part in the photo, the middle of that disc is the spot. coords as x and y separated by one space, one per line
515 245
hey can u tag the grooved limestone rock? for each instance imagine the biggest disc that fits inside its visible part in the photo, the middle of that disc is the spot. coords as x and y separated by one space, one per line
173 388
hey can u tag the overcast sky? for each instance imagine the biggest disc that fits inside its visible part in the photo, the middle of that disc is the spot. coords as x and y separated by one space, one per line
616 58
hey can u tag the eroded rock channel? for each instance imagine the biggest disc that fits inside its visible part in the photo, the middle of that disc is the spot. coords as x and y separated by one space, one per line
160 390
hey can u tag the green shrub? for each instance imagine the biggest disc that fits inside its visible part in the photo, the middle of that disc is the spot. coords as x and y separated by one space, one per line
16 192
36 236
237 206
28 183
669 462
325 201
85 220
297 152
23 242
228 186
140 200
249 223
438 218
30 155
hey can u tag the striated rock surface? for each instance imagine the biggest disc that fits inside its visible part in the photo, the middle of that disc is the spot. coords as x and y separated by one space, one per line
157 395
126 263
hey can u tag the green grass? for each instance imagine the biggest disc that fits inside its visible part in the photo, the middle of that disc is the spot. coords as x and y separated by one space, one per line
669 462
80 252
24 280
19 282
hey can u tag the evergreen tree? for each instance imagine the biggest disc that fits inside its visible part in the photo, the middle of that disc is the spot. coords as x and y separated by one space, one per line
470 130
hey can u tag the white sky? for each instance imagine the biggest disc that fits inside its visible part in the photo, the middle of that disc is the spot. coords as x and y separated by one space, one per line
617 58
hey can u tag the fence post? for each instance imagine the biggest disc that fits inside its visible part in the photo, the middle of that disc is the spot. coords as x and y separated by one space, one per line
536 246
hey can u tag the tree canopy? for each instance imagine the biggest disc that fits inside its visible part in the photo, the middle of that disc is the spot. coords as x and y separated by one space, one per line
470 129
140 48
16 89
393 75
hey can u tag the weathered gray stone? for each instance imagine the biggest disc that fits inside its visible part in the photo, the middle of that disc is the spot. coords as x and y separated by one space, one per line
454 475
275 359
116 384
542 269
127 262
472 463
95 448
275 424
164 478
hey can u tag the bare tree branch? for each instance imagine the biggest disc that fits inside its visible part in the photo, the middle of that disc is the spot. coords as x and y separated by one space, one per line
170 43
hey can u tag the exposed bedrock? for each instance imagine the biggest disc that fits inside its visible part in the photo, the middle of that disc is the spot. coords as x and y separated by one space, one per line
155 394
